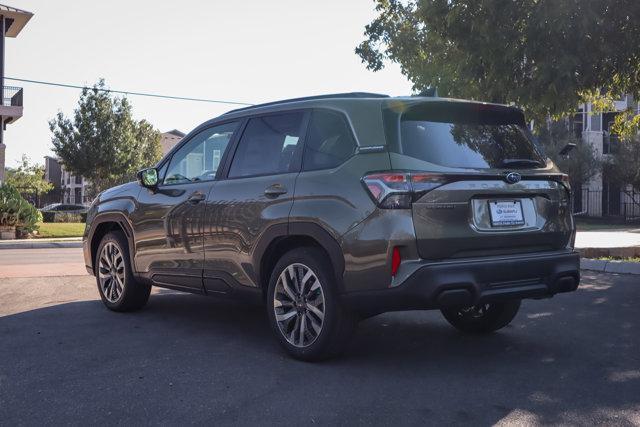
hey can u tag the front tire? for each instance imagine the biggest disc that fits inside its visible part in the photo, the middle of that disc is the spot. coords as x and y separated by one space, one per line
304 309
118 288
482 318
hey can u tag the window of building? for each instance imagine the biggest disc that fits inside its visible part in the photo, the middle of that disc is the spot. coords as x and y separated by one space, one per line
199 159
578 124
78 179
596 122
610 140
269 145
329 142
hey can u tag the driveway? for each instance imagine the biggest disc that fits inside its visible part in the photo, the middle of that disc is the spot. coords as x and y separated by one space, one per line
574 359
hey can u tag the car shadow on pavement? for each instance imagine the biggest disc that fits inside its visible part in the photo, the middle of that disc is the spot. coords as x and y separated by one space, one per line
573 360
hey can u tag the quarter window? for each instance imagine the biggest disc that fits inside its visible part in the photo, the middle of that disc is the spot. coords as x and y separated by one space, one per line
329 141
199 159
269 145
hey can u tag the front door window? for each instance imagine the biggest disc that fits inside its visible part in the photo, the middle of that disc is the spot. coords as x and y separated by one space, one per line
199 159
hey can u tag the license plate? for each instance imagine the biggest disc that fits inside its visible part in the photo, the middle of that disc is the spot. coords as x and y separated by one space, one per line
506 213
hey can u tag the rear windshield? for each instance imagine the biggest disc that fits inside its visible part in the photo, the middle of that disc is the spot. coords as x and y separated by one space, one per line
469 137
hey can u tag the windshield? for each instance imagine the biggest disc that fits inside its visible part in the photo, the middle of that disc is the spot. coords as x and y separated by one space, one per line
488 140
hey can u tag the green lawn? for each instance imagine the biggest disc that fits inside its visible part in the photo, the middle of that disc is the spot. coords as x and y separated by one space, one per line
613 258
60 229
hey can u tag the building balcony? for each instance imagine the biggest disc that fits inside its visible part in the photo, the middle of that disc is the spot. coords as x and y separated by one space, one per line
11 108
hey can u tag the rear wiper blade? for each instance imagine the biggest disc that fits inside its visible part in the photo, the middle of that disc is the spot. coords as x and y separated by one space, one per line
522 162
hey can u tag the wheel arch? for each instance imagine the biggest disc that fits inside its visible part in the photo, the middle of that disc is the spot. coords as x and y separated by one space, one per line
278 240
104 224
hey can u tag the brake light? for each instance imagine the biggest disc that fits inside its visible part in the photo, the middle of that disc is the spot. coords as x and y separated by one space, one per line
564 181
397 190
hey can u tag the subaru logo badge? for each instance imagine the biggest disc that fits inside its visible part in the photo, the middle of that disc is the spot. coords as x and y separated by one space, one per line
513 177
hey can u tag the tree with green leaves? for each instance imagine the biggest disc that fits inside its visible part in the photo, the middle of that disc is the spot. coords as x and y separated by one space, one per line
623 166
546 56
102 142
581 164
28 177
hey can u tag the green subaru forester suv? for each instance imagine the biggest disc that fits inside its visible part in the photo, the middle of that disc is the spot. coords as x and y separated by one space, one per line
331 209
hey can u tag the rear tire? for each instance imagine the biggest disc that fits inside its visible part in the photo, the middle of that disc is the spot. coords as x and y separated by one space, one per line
118 288
484 318
304 309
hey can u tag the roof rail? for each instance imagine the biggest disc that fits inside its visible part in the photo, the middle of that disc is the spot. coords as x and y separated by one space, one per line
309 98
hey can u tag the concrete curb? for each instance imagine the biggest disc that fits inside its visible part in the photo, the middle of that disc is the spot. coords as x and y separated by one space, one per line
605 266
616 252
44 244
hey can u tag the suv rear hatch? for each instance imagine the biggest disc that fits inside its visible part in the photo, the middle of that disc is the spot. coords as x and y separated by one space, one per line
479 185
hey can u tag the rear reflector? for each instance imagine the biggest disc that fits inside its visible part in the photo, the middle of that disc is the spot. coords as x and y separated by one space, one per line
395 261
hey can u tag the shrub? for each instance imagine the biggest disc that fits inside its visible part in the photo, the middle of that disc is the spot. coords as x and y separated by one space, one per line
48 216
69 217
16 211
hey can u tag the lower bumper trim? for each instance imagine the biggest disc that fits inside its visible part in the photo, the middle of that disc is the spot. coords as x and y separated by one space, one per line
469 282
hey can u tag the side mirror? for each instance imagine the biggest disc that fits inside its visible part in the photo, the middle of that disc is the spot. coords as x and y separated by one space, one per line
148 178
567 148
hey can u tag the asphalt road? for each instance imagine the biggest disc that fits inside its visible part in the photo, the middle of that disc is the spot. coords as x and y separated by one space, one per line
64 358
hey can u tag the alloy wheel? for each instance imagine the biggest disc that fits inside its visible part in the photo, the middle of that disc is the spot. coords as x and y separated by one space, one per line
299 305
475 312
111 272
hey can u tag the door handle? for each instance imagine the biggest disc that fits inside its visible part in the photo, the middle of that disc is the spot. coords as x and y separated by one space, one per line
275 190
196 198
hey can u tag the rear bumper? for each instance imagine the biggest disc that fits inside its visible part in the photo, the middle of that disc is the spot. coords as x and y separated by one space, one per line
467 282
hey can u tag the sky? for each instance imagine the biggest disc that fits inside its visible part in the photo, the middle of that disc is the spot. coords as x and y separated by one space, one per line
247 51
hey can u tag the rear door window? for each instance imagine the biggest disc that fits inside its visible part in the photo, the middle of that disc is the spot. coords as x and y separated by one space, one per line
269 145
329 141
469 136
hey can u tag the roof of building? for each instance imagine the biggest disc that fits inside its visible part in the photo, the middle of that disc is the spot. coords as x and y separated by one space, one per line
175 132
170 139
16 19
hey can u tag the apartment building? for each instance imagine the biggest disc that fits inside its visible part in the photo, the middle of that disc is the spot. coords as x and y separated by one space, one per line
12 21
74 189
169 139
602 196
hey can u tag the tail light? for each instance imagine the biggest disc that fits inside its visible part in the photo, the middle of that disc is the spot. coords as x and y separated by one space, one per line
564 180
397 190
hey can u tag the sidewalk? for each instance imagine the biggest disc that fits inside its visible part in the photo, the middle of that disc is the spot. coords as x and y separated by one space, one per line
607 239
618 244
62 242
